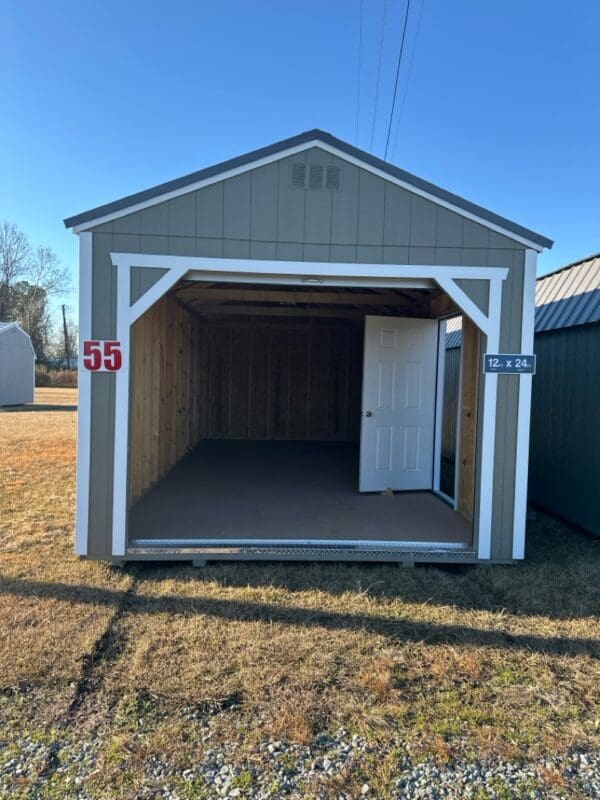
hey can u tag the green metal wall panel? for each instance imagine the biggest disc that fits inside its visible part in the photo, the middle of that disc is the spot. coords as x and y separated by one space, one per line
564 475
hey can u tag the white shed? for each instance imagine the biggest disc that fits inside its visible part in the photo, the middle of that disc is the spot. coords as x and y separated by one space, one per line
17 365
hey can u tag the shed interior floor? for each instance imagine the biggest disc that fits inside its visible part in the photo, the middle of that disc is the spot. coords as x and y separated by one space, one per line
285 490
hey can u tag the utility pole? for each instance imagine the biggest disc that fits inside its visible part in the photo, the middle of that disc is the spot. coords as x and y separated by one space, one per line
67 342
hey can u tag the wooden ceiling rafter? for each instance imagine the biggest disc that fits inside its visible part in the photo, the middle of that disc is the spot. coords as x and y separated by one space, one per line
274 311
214 299
296 297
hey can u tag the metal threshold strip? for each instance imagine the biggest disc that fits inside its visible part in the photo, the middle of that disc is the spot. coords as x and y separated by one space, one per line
216 547
336 544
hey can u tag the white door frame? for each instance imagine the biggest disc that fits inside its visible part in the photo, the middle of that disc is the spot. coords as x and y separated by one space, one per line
439 417
439 410
300 273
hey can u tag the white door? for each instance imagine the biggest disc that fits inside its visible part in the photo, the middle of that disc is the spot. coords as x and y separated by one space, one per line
398 404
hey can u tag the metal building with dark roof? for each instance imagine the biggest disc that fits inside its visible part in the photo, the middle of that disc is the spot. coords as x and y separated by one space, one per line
565 429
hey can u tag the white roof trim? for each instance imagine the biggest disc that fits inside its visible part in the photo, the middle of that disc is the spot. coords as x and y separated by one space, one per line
260 162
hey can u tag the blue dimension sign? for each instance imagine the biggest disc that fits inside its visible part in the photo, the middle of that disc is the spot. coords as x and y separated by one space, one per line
509 363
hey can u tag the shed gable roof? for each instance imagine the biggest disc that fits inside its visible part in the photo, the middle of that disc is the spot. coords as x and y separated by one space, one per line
5 327
299 143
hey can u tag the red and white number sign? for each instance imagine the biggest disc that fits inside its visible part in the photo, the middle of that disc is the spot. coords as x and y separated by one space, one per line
102 355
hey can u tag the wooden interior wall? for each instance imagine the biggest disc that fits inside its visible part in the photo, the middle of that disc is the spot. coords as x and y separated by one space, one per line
471 366
283 380
165 419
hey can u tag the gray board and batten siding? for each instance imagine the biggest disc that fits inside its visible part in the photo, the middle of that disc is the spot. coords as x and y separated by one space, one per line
259 214
124 203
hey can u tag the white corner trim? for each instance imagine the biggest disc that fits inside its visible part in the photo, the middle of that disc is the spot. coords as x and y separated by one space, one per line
261 162
263 272
439 406
524 408
84 398
488 434
121 441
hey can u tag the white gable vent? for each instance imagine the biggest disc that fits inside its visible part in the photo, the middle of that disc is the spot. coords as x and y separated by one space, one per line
298 175
333 178
315 176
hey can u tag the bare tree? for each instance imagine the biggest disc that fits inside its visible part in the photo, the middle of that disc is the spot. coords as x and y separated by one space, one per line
15 252
29 278
44 271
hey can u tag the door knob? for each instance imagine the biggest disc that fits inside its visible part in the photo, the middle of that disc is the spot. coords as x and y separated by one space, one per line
368 413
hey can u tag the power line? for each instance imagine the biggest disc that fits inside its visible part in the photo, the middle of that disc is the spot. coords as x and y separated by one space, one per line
378 74
410 63
405 25
360 31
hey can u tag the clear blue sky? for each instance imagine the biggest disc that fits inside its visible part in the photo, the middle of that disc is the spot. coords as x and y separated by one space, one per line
101 99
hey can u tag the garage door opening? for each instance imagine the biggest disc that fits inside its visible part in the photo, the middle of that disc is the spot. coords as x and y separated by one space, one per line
247 408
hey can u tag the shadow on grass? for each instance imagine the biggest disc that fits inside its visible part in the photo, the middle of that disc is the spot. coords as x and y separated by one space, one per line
37 407
403 630
560 578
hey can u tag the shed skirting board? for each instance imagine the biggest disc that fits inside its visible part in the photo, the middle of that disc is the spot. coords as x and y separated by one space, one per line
84 383
263 272
524 409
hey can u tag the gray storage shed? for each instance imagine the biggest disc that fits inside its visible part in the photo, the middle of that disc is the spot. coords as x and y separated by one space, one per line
565 434
261 365
17 365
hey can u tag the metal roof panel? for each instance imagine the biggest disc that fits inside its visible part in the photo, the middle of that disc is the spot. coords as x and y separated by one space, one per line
570 296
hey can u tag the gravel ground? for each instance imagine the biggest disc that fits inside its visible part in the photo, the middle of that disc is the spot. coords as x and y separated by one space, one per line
281 770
